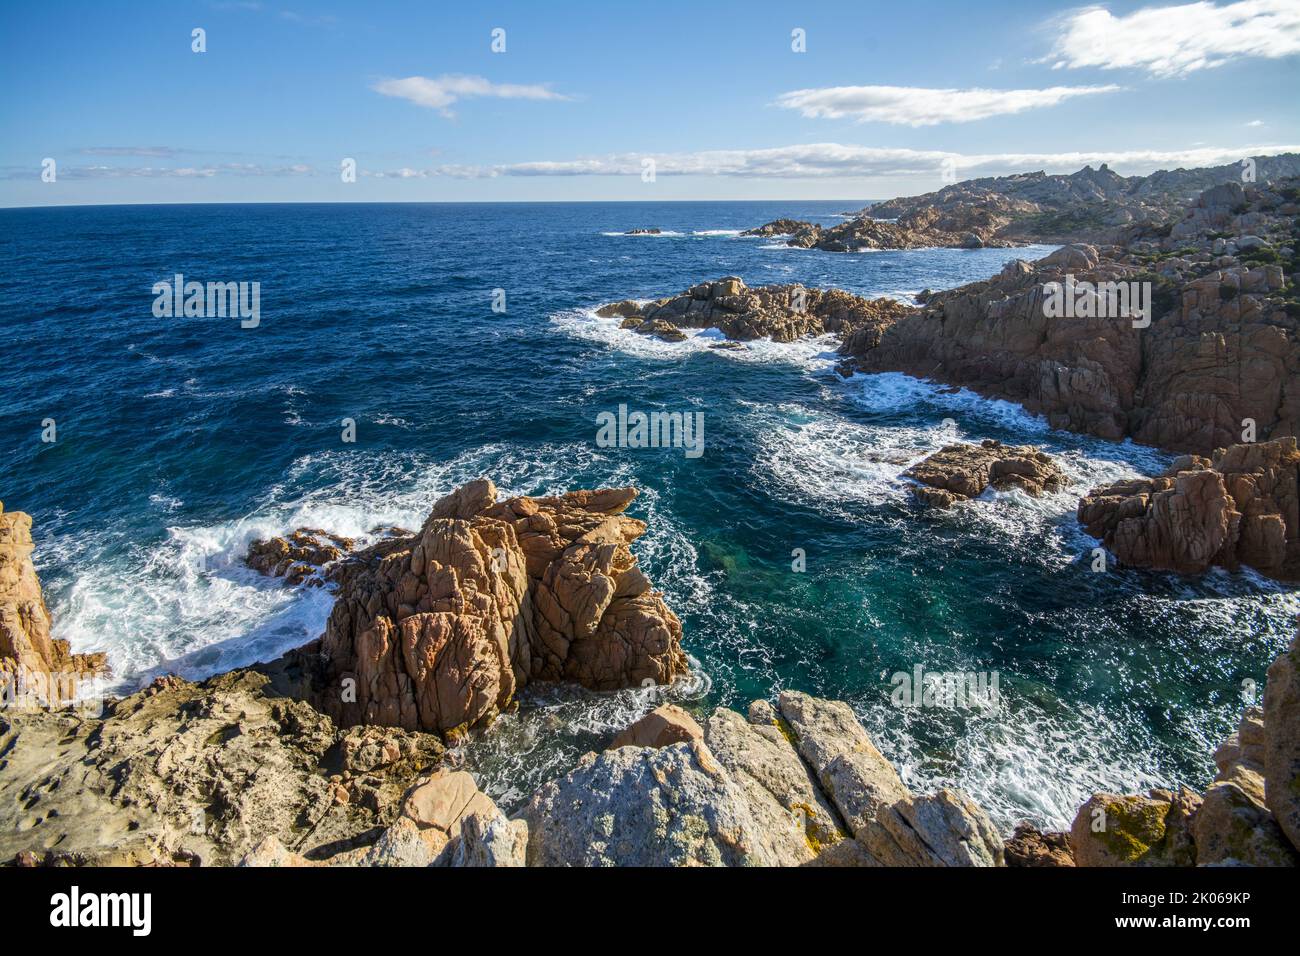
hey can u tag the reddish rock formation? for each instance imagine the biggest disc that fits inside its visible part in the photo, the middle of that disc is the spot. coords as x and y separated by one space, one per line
441 629
961 471
34 667
1241 508
1029 846
664 725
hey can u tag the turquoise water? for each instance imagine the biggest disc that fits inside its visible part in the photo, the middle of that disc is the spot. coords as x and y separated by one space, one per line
179 440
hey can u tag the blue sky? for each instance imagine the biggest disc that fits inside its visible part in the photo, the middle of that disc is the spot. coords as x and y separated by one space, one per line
584 93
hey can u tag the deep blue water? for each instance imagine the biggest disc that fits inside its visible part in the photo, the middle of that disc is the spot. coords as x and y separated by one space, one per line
179 440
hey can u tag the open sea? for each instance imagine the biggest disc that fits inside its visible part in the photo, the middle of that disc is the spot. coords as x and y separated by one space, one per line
179 440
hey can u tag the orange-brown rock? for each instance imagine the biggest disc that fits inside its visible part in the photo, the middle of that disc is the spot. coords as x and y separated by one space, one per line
440 630
298 556
1242 508
34 667
962 471
664 725
1029 846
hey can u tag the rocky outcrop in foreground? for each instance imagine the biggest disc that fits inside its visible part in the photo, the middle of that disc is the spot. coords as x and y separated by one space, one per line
963 471
228 771
438 630
782 313
196 774
32 663
799 784
1241 508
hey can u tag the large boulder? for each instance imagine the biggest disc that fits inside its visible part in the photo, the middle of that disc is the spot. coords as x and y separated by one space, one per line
440 630
35 668
1233 825
1136 830
778 785
636 806
664 725
893 826
446 820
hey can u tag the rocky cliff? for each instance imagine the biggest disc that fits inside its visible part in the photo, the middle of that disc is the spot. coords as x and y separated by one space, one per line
32 663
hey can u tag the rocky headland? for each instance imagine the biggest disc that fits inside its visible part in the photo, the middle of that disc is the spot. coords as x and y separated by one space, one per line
1092 205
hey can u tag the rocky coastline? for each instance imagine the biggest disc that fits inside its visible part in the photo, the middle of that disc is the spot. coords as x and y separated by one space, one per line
342 752
255 767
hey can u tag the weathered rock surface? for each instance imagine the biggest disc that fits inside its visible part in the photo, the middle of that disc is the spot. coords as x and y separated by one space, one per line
1029 846
35 668
962 225
780 790
664 725
963 471
1281 741
1135 830
634 806
447 821
1233 825
184 773
1242 508
893 826
439 631
782 313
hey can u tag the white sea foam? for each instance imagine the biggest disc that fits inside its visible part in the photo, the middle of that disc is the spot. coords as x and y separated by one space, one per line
715 232
811 353
664 234
187 604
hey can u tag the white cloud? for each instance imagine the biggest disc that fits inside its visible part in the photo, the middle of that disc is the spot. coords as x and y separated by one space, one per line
1176 40
1255 123
819 160
916 106
439 93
